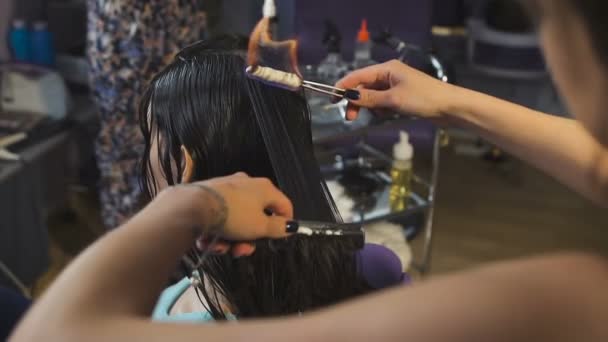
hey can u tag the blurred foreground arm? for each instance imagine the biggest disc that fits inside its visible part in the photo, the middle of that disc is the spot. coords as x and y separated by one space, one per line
121 275
561 147
107 293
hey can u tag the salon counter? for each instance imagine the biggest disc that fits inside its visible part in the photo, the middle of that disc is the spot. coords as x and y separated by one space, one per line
35 186
29 189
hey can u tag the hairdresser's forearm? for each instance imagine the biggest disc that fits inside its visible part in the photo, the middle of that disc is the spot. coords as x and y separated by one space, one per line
558 146
529 300
521 301
127 269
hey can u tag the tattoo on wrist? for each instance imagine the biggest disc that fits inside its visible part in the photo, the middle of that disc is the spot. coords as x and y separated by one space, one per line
216 210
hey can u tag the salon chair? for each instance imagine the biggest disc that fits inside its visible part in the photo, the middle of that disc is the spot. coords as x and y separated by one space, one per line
380 267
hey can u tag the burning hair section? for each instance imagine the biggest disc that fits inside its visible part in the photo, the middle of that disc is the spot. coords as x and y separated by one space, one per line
275 77
264 51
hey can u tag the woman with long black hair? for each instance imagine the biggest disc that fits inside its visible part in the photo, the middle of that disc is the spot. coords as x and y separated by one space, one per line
202 118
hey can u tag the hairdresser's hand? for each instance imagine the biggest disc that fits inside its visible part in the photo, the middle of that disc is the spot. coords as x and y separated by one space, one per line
233 207
396 87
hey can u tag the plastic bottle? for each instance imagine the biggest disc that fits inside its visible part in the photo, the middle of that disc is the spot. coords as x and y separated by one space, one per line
269 9
333 67
401 173
42 49
363 48
19 40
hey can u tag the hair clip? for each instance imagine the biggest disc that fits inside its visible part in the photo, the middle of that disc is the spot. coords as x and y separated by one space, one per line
195 279
195 276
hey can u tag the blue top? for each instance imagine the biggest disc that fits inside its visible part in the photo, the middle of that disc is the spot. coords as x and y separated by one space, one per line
168 298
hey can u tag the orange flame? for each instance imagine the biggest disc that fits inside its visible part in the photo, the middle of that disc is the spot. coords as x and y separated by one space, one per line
264 51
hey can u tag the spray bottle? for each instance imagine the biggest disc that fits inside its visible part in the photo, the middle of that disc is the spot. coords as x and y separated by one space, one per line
401 173
42 45
363 48
19 39
332 68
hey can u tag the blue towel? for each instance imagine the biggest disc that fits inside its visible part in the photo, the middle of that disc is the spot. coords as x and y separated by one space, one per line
168 298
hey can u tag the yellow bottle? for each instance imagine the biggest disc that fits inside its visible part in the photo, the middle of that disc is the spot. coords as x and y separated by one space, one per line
401 173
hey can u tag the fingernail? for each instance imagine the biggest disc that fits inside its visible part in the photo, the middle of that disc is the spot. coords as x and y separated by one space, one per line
292 226
352 94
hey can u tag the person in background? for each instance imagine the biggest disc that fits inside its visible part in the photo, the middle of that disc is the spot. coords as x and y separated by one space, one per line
128 43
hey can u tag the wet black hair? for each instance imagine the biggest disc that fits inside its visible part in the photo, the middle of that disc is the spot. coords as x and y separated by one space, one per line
229 123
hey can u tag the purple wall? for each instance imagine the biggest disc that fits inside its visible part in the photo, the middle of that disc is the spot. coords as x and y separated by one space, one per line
409 19
449 12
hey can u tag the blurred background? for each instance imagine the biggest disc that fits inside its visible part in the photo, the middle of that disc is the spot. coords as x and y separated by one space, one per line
71 72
